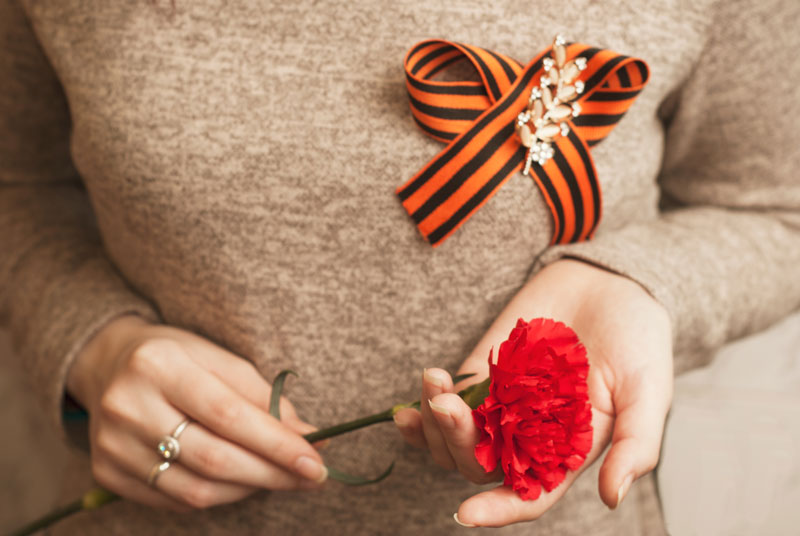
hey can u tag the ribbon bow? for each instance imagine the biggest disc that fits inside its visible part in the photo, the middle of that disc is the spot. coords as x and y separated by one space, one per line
482 123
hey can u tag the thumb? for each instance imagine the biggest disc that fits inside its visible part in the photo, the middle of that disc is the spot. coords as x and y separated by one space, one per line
635 444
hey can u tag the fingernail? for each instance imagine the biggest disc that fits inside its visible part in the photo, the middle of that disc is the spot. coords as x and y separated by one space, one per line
441 410
623 489
311 469
430 378
468 525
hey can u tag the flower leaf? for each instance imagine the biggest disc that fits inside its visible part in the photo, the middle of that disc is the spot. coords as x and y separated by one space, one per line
352 480
474 395
277 389
462 377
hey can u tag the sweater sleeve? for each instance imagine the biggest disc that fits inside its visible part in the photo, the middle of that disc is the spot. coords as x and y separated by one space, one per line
57 287
723 256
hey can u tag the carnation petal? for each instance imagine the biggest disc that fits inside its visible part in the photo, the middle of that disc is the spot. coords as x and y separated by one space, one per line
574 461
528 487
536 422
486 454
553 478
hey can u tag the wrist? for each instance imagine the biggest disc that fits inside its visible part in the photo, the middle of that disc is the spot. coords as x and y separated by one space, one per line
566 287
97 359
585 277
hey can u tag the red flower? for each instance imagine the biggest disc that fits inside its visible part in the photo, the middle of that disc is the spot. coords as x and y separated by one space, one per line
536 421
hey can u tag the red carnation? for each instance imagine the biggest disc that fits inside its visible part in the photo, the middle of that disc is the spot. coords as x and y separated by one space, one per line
537 418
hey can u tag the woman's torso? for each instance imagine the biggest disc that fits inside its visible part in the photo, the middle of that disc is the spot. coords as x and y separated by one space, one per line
242 160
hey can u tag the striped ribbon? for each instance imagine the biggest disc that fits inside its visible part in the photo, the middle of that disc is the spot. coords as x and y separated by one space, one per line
476 120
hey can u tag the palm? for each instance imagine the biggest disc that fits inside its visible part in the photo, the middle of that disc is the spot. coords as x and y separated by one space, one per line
628 340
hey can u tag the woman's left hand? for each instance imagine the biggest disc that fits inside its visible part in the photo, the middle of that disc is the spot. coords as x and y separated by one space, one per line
628 339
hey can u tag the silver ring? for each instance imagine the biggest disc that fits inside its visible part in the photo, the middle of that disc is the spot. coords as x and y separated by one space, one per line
155 472
168 447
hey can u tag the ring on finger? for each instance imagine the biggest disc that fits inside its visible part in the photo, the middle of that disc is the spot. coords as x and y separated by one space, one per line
158 468
169 448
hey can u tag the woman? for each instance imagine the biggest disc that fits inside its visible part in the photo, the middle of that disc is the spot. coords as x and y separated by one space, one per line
194 199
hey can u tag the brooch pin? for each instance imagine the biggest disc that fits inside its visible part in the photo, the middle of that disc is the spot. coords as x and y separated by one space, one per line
549 108
518 117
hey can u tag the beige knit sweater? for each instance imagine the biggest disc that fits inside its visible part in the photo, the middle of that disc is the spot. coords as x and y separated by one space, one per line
229 168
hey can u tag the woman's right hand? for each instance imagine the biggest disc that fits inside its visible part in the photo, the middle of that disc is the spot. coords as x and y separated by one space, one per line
138 381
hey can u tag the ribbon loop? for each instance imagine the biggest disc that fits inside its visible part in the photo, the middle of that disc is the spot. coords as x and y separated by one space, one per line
477 121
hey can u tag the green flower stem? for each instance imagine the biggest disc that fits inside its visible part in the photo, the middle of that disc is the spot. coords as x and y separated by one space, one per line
345 427
472 395
90 500
52 517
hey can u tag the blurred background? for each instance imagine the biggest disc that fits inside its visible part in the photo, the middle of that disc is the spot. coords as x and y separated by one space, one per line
730 463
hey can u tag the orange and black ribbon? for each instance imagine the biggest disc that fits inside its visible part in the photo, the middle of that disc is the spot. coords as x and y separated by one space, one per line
476 120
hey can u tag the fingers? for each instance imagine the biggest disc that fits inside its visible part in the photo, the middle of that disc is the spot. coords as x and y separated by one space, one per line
409 423
210 456
241 376
499 507
444 425
460 434
123 463
231 448
180 483
435 382
635 446
238 373
208 400
502 506
114 479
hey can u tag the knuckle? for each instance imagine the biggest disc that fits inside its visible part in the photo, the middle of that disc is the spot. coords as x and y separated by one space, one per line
150 356
282 446
224 410
113 404
104 444
651 461
213 460
146 357
199 495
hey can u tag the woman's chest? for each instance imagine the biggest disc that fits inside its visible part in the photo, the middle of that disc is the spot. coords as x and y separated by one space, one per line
241 147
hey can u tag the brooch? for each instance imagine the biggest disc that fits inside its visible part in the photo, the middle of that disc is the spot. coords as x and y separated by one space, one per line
541 118
549 105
